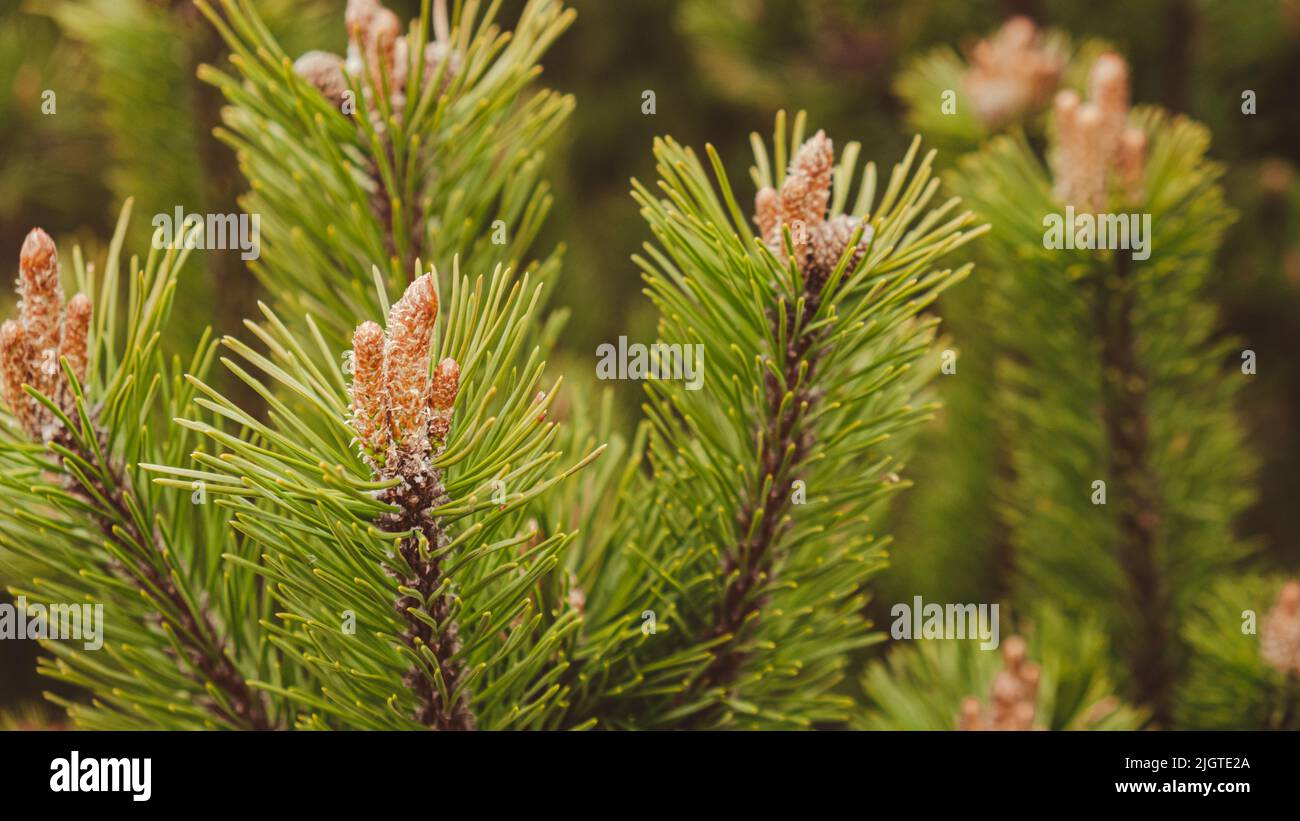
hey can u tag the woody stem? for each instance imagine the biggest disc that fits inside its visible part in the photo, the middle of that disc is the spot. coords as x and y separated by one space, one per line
204 647
434 710
1124 389
749 563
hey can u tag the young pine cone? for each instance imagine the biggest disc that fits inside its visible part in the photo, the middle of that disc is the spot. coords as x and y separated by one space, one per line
378 51
31 345
396 408
324 71
1095 147
406 361
369 413
1012 73
1279 640
800 205
1013 694
442 394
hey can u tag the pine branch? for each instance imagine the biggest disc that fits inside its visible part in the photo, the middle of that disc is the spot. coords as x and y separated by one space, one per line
1124 405
203 646
1127 438
1055 678
398 373
419 147
785 440
956 518
810 332
81 528
428 581
404 490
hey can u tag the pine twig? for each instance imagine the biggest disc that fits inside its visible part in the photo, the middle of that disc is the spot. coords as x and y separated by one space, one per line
205 647
403 418
817 245
1127 435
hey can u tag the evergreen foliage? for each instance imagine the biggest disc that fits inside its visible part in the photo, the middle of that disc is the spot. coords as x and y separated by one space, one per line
953 519
400 517
758 535
397 171
413 595
1098 367
82 521
1109 376
928 687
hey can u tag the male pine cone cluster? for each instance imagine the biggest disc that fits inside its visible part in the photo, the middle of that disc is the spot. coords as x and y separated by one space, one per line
801 205
45 331
1014 694
377 50
400 414
1095 145
1013 73
1279 639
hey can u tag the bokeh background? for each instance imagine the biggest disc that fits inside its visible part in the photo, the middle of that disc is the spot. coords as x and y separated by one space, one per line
130 119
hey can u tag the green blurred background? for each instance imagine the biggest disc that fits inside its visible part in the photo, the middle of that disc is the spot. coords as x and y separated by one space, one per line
131 120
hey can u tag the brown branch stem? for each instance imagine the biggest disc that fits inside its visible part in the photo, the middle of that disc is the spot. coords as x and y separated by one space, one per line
749 564
413 498
1124 392
196 633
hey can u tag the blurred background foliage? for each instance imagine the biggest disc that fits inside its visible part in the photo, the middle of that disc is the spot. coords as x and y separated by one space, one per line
131 119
